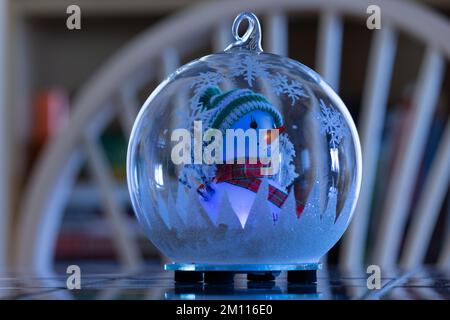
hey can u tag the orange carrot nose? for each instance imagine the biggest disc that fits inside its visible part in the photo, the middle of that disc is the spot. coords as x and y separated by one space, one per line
269 137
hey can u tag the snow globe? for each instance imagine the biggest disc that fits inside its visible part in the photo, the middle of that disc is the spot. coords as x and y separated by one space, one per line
244 162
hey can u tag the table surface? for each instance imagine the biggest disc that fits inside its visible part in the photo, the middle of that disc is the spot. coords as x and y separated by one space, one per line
154 283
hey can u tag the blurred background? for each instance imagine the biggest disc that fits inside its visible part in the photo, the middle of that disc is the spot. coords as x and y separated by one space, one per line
64 129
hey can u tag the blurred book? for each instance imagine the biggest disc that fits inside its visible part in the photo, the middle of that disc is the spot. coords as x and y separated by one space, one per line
87 235
50 114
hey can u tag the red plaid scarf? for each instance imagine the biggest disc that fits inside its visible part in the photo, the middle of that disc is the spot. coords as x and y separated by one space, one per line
248 176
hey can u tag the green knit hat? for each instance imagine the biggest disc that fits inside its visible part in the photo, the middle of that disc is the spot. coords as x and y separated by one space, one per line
234 104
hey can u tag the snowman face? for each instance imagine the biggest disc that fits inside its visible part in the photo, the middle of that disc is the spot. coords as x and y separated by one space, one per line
255 120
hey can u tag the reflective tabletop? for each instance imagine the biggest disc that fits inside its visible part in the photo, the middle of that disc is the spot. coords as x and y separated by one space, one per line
155 283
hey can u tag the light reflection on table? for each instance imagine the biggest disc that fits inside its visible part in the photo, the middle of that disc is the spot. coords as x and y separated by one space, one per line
154 283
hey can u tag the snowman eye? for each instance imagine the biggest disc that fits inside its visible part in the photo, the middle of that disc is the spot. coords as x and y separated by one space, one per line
253 123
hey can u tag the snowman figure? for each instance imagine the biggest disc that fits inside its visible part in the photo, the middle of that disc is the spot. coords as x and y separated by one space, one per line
240 180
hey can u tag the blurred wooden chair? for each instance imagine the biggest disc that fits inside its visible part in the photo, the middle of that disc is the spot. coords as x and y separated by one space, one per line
158 51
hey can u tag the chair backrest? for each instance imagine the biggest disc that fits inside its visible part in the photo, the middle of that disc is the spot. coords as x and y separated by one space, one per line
158 51
4 142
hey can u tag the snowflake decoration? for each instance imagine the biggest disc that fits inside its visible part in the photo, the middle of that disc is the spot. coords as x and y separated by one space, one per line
192 175
287 173
242 65
292 89
249 67
331 123
195 112
205 80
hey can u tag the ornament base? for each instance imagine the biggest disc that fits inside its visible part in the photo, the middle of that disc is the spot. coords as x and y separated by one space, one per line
304 273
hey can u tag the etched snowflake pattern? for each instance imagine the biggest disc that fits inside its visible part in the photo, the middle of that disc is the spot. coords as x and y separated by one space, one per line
195 111
332 124
249 67
287 173
205 80
292 89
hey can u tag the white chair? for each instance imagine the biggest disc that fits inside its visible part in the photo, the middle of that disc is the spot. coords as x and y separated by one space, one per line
4 143
157 52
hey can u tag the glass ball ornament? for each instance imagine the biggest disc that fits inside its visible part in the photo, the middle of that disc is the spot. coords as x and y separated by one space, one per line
244 157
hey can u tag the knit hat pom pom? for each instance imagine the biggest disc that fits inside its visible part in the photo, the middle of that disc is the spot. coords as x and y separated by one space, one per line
207 96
